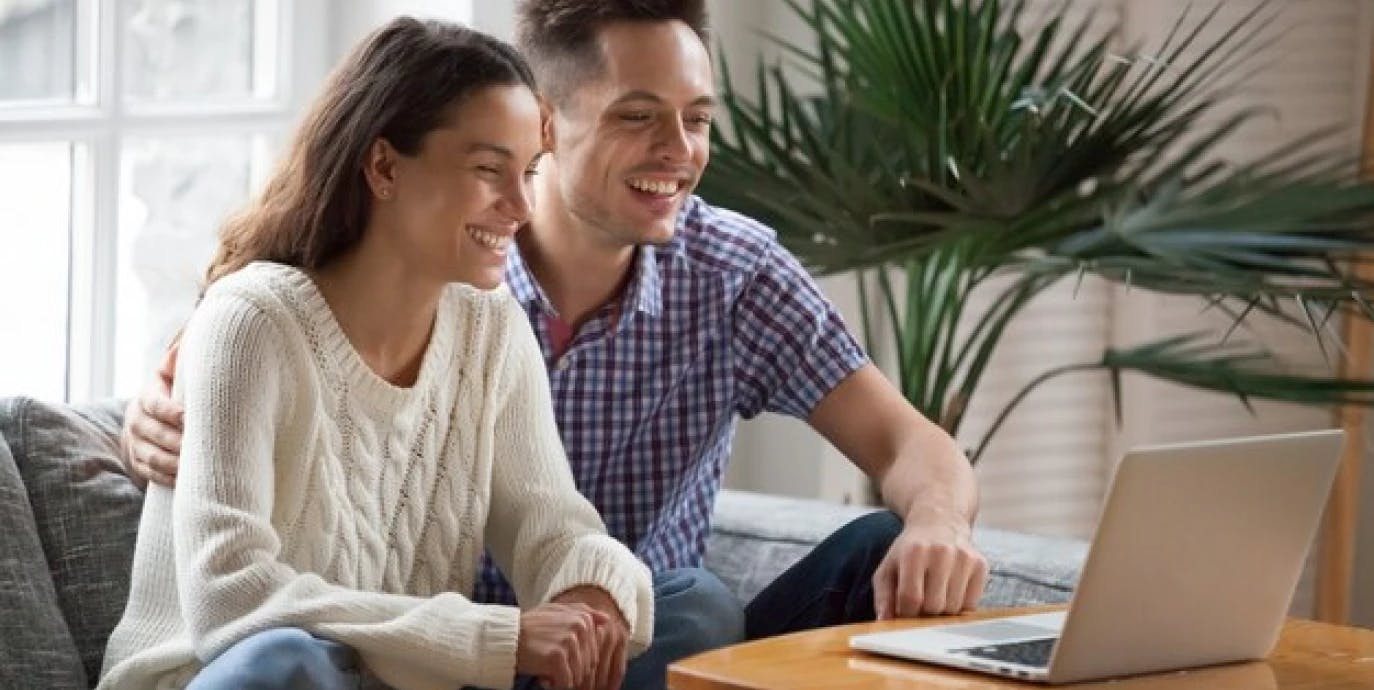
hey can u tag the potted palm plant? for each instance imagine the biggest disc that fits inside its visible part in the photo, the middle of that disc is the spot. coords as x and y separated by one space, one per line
933 146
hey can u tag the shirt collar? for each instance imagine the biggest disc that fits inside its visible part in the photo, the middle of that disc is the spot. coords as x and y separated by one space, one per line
646 286
644 292
522 285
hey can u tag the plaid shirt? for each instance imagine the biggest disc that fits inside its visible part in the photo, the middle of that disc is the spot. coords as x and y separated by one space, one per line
719 323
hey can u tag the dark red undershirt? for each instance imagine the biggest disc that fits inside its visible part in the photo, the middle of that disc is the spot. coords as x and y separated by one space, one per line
561 332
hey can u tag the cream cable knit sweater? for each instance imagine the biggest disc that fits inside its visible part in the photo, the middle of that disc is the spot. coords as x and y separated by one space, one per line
314 494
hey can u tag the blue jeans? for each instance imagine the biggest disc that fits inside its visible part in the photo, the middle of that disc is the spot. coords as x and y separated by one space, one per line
293 659
694 612
832 585
282 658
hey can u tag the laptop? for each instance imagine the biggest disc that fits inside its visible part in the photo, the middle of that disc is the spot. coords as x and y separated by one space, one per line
1194 563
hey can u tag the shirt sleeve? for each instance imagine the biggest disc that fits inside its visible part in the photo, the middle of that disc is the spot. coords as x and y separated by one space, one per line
790 345
235 377
541 531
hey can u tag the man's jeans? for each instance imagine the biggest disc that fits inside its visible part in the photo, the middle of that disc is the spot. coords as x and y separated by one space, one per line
832 585
694 612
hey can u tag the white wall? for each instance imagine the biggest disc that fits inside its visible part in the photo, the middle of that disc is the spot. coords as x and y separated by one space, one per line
354 19
496 18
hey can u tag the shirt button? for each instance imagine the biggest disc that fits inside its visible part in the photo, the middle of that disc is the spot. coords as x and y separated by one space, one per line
563 364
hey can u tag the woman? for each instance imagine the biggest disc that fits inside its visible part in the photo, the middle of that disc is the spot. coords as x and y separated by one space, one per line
364 414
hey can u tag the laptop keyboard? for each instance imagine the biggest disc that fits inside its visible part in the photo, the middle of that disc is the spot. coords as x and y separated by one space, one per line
1034 653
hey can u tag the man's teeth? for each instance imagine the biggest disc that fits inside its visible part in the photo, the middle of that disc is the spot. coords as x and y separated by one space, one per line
655 186
489 240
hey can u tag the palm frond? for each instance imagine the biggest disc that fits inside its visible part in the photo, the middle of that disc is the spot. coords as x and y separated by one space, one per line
1197 361
940 138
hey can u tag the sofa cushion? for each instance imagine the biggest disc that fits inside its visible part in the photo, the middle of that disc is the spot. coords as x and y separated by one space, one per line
1026 569
756 537
38 650
85 509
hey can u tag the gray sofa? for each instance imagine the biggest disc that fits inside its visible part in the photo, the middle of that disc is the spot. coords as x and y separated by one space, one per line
70 518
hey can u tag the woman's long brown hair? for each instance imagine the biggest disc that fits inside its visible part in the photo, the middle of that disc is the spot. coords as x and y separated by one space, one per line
399 84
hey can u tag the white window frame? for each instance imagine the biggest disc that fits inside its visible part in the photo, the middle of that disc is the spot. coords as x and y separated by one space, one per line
98 120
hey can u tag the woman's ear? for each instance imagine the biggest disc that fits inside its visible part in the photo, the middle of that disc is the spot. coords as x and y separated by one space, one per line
380 169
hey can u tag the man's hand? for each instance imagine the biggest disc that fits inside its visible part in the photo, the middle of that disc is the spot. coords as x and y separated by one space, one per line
613 636
559 645
151 438
931 569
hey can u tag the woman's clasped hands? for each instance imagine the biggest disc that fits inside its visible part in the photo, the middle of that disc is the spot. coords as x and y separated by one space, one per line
572 646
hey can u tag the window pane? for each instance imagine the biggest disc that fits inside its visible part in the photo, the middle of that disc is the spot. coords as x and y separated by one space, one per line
192 50
174 193
35 220
37 50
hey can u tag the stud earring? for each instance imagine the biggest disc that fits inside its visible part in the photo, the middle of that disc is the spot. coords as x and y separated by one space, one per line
384 193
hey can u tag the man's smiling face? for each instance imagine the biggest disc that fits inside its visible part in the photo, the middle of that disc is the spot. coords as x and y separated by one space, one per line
631 142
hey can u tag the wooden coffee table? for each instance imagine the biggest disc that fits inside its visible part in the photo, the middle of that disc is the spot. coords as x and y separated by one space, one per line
1309 655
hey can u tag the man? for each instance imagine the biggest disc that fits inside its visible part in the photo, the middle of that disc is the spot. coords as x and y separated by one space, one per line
663 320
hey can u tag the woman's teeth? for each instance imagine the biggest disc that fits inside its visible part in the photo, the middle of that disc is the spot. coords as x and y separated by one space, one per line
662 188
489 240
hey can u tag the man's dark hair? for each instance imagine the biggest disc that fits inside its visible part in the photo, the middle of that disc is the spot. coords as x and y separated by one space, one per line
559 37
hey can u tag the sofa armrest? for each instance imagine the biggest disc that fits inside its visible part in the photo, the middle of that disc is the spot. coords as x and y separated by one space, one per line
85 512
36 645
755 537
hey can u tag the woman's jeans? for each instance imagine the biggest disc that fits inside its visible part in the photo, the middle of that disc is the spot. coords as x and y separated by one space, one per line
282 658
694 612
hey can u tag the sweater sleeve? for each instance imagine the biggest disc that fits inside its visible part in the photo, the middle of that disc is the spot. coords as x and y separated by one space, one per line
542 533
238 385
